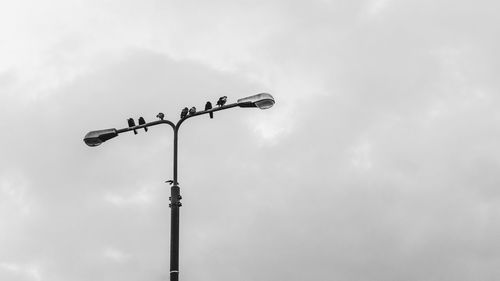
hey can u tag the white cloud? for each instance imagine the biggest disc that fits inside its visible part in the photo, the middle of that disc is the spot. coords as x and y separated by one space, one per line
143 196
361 156
116 255
14 196
25 271
377 7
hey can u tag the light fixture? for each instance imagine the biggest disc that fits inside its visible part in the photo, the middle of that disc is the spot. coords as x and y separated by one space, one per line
262 101
95 138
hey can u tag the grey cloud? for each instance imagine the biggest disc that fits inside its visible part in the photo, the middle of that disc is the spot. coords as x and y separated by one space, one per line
388 170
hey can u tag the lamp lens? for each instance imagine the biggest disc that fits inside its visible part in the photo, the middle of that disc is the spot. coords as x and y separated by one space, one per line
265 104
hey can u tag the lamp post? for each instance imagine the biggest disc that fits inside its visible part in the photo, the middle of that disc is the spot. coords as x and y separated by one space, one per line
95 138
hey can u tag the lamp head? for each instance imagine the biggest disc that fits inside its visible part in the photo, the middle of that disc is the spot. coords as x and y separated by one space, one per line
95 138
262 101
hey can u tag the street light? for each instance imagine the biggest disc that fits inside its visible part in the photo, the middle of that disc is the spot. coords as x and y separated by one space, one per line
95 138
262 101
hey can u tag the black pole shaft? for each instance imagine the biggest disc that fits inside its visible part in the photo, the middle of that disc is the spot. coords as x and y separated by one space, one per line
176 134
174 234
174 218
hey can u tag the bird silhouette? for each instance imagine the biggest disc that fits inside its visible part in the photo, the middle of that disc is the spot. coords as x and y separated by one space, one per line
142 122
192 110
131 123
222 101
208 106
184 112
160 115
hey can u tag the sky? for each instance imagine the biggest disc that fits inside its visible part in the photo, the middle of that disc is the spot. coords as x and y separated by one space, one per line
379 160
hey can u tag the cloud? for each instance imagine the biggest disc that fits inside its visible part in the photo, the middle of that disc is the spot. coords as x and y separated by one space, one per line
140 197
378 161
14 196
116 255
377 6
13 271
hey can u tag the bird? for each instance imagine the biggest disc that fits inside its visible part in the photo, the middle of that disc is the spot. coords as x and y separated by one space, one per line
192 110
222 101
160 115
184 112
208 106
131 124
143 122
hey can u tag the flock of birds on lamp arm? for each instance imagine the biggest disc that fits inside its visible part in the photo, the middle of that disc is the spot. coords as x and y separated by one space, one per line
184 113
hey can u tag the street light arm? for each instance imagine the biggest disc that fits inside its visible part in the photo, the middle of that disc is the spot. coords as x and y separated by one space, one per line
175 126
205 112
153 123
95 138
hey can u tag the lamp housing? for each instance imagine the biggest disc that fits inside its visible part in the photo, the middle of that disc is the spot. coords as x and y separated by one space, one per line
95 138
262 101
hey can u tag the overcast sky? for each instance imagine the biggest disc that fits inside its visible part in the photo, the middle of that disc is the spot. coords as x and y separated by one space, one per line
379 161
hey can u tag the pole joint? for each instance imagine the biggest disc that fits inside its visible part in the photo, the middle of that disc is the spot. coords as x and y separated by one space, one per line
176 197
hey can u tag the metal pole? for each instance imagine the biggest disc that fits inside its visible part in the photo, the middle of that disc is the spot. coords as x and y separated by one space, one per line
174 233
175 198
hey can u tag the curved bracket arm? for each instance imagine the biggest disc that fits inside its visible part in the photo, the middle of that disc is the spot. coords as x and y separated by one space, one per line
154 123
205 112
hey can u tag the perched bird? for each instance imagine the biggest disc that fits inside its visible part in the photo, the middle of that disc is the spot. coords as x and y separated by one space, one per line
192 110
142 122
131 123
208 106
160 115
184 112
222 101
